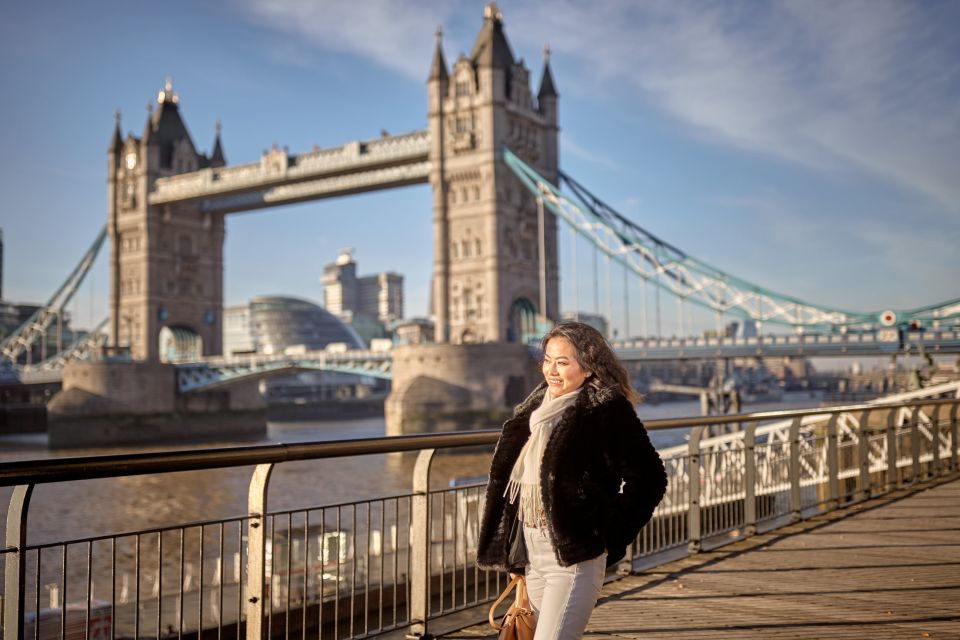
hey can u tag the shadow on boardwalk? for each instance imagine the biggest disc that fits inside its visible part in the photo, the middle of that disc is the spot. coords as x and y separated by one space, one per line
886 568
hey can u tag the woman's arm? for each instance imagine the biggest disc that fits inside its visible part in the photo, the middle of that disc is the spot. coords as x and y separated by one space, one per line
642 476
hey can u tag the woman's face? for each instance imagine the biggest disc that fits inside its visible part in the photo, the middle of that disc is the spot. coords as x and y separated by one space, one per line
560 367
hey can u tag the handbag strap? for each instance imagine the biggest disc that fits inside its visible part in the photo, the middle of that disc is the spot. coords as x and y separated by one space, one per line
517 581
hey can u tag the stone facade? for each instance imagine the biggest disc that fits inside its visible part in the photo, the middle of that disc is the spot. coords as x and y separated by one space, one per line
110 403
444 387
486 240
486 284
166 260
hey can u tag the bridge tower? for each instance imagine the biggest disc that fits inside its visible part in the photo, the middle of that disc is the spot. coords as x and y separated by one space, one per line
166 261
487 276
486 284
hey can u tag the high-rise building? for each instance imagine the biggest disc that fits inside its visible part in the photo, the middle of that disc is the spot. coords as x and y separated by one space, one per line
351 297
340 284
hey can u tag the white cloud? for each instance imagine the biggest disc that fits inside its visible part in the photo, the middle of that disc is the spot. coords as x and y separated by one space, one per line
869 84
874 256
567 144
866 84
396 35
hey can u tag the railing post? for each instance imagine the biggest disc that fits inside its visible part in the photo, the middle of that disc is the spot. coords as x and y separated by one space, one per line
256 549
420 547
915 443
935 469
863 453
891 449
15 566
953 436
795 505
750 479
693 473
833 463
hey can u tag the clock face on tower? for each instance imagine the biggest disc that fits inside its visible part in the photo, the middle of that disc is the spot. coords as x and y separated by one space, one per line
131 160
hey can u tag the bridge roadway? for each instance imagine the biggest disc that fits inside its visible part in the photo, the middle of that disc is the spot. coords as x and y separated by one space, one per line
885 568
215 371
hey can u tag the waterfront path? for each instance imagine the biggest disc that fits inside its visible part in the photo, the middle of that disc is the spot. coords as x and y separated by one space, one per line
886 568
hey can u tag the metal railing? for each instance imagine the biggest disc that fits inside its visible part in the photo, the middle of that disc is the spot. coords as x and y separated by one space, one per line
407 562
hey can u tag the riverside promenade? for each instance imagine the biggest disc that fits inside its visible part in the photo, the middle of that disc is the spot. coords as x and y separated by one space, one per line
885 568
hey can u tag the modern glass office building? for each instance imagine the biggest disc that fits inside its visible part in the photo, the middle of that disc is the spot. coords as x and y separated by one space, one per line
278 323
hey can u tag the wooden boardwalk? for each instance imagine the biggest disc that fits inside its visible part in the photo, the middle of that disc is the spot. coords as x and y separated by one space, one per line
887 568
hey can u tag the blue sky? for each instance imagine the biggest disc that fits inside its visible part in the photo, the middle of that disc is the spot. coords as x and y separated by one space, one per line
810 147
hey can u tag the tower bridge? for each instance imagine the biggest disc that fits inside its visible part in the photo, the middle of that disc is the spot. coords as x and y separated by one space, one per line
167 203
490 154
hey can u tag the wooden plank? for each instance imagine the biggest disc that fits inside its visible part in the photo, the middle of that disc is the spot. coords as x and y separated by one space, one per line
887 568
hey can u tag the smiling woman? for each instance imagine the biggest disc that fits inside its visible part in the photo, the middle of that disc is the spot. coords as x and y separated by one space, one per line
560 367
573 479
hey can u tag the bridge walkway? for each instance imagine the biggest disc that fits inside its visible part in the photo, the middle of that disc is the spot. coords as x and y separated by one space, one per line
886 568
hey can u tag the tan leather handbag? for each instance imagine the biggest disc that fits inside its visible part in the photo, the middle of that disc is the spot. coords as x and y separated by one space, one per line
518 623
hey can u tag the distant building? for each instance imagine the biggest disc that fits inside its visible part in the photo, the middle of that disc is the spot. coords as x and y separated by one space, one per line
792 371
414 331
278 324
367 303
9 318
237 336
13 316
273 324
595 320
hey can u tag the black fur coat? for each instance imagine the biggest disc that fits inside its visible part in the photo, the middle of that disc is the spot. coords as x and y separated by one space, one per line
597 445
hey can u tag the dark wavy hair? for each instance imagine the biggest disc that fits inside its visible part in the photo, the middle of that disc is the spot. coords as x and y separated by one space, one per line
593 353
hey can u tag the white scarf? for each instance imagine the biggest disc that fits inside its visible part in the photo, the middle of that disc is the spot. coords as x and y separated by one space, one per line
525 477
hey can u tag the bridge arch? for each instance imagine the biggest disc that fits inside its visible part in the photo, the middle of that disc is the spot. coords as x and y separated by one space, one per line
180 343
522 321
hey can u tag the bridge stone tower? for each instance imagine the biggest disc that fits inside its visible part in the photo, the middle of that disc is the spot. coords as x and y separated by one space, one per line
166 261
486 285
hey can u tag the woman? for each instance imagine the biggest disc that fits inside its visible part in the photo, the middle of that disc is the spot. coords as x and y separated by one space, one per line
575 475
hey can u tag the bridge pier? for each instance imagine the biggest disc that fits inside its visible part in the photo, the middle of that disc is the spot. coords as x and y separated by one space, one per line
444 387
108 403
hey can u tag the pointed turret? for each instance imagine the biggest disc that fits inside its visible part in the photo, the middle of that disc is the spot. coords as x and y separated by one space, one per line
117 141
491 48
438 70
547 89
165 130
217 158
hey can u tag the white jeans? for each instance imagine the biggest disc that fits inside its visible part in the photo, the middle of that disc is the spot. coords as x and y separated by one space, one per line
562 597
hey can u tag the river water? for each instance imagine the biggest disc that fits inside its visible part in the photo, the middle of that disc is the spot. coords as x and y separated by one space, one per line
71 510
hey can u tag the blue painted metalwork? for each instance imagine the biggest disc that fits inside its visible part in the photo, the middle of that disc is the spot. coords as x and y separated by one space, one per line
23 338
689 278
218 372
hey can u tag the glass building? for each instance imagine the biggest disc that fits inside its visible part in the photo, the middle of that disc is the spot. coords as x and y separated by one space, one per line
279 324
